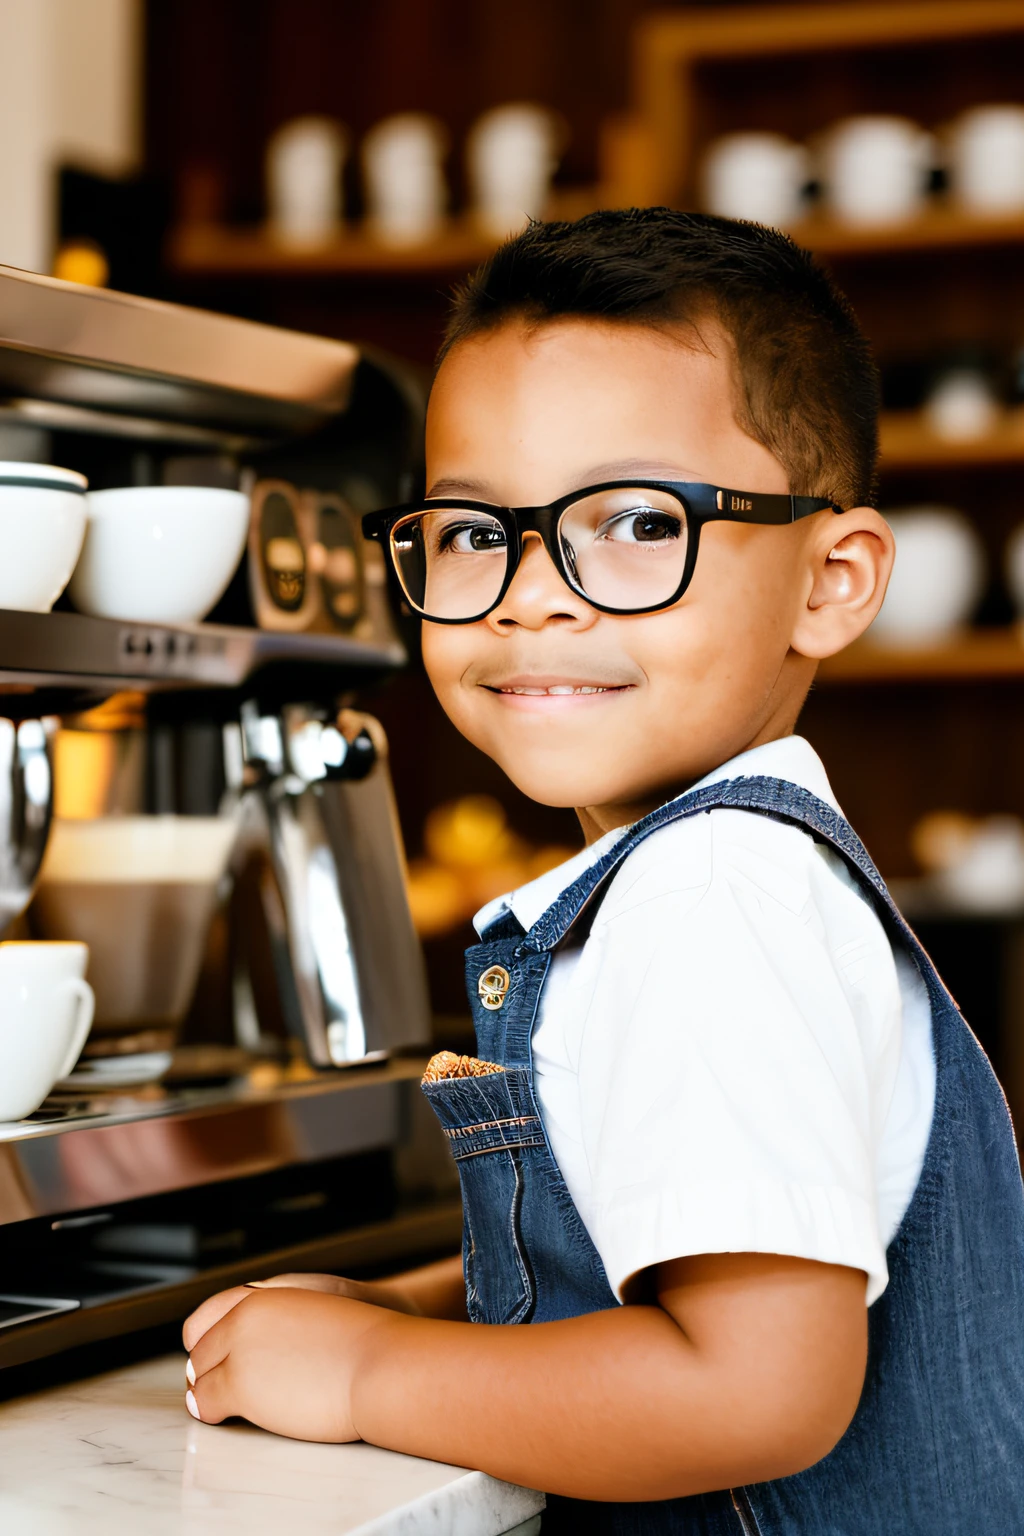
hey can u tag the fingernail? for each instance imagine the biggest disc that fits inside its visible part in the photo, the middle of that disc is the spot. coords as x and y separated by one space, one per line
256 1285
190 1404
190 1372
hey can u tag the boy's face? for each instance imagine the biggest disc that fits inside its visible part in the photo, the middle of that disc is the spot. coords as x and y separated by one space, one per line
520 416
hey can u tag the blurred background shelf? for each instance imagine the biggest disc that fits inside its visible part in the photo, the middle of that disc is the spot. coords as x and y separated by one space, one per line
209 250
906 443
943 228
980 654
213 250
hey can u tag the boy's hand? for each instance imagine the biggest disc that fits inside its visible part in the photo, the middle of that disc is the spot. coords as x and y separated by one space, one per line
377 1293
281 1357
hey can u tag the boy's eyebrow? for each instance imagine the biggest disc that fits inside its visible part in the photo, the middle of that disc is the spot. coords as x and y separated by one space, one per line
472 490
621 469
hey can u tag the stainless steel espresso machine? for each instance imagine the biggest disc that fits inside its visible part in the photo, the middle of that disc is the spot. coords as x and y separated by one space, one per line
268 1117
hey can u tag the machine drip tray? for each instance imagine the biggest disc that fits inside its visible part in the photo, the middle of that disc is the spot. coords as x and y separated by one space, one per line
109 1299
121 1213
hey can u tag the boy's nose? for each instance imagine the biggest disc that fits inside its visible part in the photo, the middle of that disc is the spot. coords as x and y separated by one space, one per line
538 595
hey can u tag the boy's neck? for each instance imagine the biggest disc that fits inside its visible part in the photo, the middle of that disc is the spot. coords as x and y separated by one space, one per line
597 820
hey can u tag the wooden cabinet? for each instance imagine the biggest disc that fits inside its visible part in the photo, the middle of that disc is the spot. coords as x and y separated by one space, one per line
903 732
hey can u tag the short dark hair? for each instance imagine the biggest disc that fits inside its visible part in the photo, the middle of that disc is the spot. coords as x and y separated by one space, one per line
808 387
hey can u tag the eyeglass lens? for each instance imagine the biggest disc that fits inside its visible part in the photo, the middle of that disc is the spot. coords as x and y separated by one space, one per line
624 548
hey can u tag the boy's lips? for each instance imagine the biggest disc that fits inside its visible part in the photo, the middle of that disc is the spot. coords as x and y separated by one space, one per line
532 686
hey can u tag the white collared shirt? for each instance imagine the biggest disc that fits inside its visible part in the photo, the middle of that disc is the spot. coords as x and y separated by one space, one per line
736 1059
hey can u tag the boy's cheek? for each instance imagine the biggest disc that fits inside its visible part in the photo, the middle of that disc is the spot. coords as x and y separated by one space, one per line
436 646
446 658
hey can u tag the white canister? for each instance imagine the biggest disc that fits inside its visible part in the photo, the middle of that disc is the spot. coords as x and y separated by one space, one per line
962 407
986 159
303 169
876 169
989 875
759 176
406 195
937 580
511 156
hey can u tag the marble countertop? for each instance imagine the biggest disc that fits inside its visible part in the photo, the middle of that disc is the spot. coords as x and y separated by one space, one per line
118 1454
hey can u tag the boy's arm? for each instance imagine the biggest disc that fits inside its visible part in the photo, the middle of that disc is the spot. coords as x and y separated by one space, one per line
749 1368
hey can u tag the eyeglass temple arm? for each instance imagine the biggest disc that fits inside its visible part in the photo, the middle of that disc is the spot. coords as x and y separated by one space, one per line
764 507
374 524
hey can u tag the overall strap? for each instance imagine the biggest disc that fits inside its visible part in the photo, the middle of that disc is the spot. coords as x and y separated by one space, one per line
777 798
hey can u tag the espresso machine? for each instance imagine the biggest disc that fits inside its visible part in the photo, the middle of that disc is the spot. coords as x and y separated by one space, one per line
289 1134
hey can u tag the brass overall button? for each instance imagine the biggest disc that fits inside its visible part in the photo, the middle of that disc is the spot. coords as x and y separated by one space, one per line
493 985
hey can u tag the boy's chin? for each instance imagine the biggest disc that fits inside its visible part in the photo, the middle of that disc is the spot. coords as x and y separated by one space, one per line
564 787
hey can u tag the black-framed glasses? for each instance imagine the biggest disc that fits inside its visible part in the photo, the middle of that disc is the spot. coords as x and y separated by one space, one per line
626 546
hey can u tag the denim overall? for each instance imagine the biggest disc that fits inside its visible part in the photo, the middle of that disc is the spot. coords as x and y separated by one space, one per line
936 1447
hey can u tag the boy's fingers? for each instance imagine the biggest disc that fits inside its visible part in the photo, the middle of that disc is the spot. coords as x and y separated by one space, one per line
305 1282
207 1353
210 1399
211 1312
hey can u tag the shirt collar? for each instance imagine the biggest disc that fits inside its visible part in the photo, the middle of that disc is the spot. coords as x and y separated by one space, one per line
790 757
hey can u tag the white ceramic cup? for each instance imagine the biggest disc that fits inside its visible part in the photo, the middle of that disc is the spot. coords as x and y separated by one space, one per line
42 524
160 554
876 169
303 171
46 1008
986 155
937 579
759 176
511 155
405 188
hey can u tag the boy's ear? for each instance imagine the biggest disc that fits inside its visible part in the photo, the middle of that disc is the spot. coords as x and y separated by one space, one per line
851 555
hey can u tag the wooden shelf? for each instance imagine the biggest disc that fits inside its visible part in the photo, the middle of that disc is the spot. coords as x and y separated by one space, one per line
907 444
209 250
942 227
974 655
212 250
225 250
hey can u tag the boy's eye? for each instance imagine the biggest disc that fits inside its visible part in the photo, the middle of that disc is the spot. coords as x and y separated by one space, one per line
471 538
640 525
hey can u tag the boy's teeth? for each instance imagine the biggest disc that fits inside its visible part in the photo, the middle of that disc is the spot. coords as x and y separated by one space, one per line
560 689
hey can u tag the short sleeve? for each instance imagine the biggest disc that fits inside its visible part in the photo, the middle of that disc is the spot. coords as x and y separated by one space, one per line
735 1064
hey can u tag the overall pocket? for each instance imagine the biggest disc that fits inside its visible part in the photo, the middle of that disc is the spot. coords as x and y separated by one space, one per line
488 1116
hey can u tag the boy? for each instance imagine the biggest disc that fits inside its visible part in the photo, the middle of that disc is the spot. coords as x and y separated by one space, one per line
727 1144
